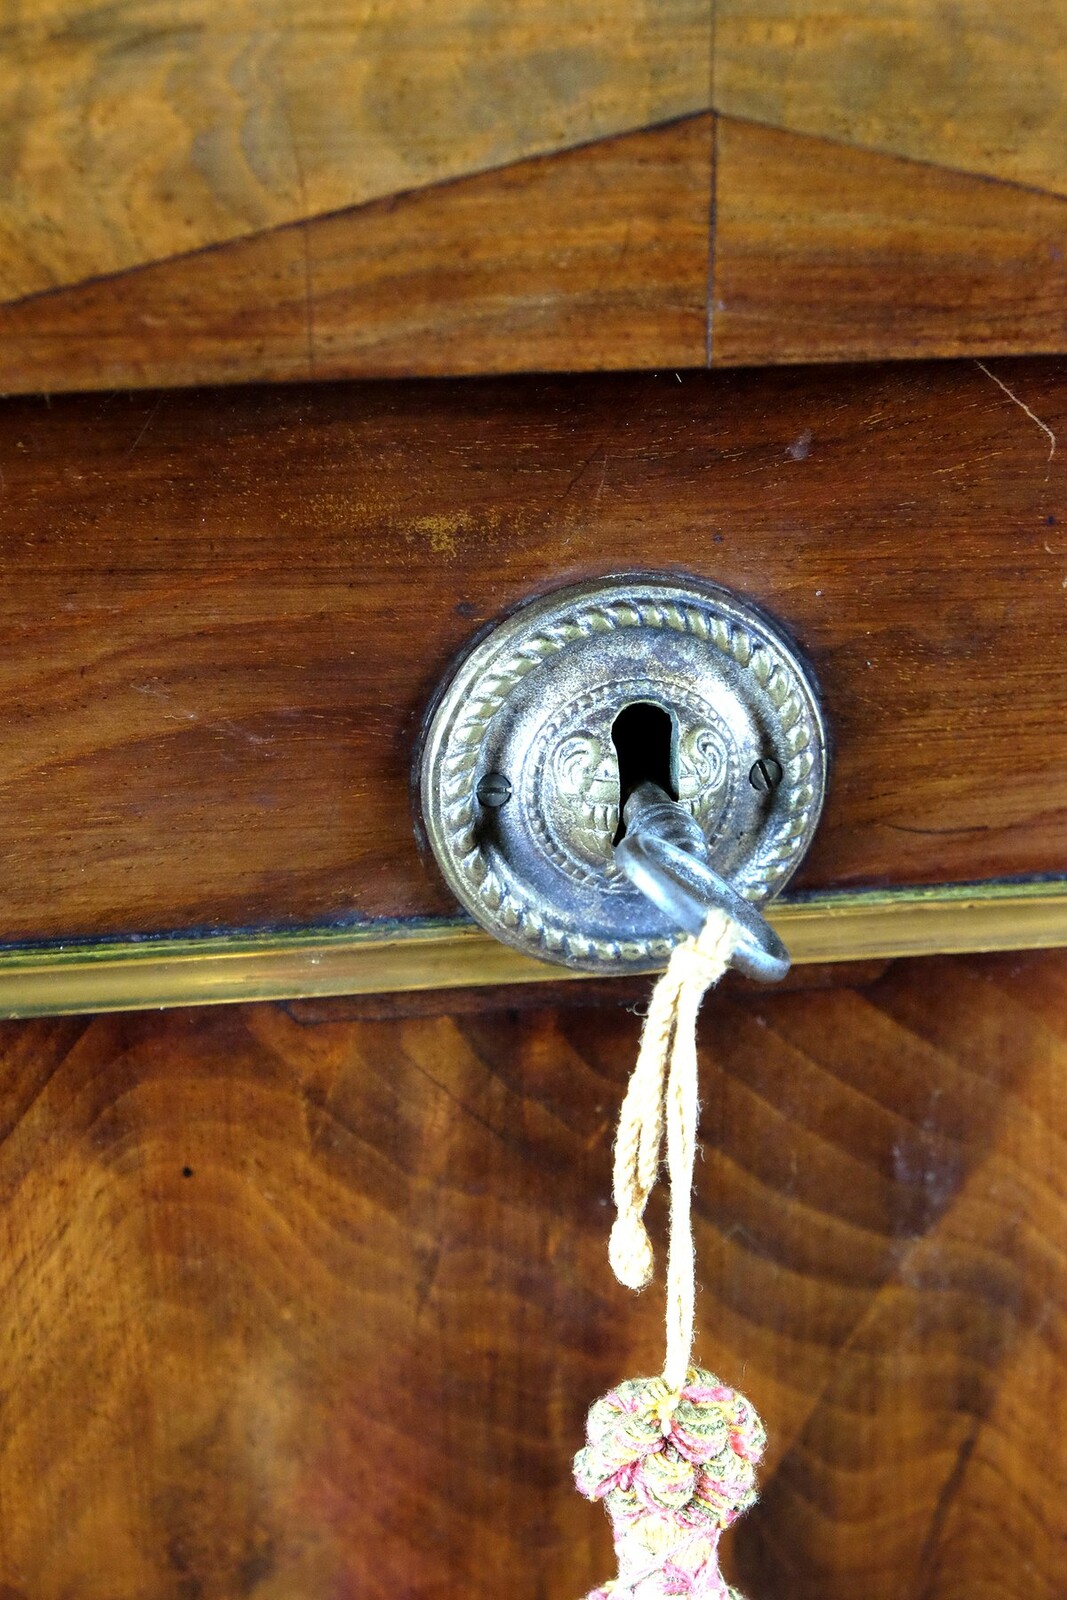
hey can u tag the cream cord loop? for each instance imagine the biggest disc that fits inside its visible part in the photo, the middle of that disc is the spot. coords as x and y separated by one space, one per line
662 1096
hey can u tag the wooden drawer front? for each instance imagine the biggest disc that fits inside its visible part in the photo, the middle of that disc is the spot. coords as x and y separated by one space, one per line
224 613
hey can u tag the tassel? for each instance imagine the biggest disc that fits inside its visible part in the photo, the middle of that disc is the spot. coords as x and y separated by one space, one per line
673 1457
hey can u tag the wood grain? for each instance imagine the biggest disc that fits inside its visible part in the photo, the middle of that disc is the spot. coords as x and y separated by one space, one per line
223 615
827 254
280 191
590 259
139 131
300 1303
595 258
980 87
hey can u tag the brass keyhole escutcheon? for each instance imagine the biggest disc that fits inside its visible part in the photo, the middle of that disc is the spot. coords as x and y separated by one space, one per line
571 702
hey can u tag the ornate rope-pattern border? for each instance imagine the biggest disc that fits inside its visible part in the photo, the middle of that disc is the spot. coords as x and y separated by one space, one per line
503 902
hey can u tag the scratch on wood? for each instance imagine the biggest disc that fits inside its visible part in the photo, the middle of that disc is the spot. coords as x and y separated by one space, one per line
1045 429
146 425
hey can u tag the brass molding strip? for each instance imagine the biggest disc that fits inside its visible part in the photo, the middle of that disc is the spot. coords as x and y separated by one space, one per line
849 925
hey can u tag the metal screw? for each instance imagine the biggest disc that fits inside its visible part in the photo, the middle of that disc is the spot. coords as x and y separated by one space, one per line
494 790
766 775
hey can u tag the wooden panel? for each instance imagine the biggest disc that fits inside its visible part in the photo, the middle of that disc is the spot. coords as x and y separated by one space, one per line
223 615
981 87
594 258
280 191
827 254
303 1303
139 131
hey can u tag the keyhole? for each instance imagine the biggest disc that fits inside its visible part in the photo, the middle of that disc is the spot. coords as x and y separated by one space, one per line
643 736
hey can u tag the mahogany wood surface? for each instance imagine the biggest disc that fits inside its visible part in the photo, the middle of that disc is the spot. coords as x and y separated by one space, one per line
978 87
596 258
301 1303
636 251
274 189
139 131
144 131
826 253
223 616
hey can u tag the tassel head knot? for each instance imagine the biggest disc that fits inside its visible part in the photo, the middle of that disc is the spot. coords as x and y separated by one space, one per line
674 1468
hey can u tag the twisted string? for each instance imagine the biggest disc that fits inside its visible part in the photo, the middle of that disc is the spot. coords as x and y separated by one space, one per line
662 1095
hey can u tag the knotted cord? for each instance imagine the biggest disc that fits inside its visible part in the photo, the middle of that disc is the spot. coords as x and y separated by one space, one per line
662 1096
674 1457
